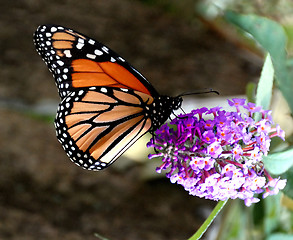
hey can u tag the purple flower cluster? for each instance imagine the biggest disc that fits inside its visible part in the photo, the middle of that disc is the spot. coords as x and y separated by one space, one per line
217 154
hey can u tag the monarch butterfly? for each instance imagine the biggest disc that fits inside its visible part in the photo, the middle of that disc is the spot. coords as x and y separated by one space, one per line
106 104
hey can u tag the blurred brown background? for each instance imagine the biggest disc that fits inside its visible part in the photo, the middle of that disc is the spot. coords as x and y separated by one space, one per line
45 196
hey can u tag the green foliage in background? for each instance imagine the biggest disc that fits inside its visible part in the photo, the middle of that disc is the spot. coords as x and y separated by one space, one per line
270 220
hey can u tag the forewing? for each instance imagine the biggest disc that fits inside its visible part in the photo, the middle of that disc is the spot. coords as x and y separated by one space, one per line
78 61
96 125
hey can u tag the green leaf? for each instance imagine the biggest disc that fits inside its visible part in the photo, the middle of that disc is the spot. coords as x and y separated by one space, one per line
280 236
265 85
272 214
272 38
288 190
269 34
289 32
278 163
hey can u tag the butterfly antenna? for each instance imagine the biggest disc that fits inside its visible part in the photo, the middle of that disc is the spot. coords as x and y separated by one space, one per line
194 93
182 110
199 92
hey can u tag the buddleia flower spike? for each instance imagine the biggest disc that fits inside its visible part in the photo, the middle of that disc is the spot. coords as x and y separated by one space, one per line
217 154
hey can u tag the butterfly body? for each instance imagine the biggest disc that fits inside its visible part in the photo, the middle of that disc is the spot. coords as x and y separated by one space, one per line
106 104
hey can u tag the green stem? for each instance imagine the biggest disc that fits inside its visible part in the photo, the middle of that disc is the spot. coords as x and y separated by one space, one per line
208 221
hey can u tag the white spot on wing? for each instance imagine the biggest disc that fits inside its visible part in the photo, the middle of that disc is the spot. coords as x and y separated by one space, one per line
98 52
105 49
91 41
53 29
104 90
79 45
60 63
91 56
67 53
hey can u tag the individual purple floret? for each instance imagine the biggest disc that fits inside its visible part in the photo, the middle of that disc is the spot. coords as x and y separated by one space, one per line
216 154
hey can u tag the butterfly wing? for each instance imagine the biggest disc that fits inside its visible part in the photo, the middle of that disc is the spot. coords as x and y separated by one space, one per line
104 100
96 125
78 61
